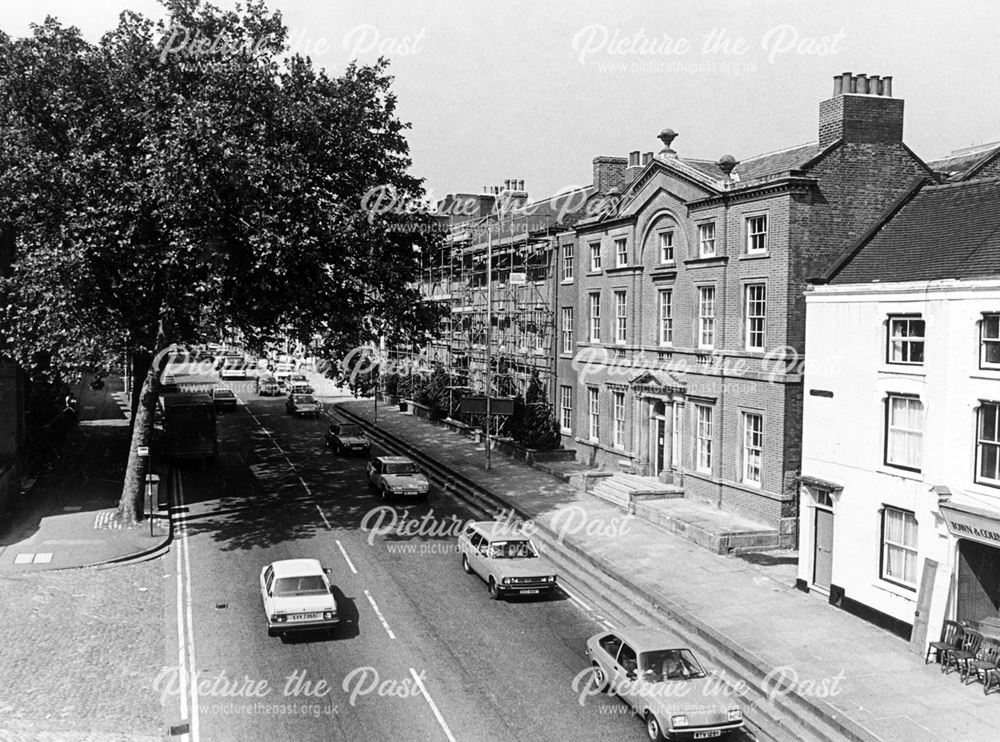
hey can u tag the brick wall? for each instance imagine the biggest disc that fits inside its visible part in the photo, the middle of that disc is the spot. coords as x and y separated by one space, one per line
860 118
609 172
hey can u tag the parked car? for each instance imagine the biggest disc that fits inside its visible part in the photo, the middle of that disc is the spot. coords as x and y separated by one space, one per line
663 683
297 596
224 399
396 476
268 386
347 438
303 404
505 558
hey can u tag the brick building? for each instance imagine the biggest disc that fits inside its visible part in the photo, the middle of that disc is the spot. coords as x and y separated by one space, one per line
680 312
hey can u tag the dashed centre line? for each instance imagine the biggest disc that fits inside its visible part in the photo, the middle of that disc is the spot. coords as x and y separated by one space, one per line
346 558
378 613
430 702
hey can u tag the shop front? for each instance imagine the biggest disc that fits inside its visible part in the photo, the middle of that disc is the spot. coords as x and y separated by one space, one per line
977 565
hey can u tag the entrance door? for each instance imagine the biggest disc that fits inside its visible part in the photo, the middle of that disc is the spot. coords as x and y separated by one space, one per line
661 440
823 553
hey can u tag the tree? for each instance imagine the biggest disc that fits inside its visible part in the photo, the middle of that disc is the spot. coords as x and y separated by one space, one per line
533 423
188 173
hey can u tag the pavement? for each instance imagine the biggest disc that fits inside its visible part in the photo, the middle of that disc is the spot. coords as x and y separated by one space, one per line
864 681
67 518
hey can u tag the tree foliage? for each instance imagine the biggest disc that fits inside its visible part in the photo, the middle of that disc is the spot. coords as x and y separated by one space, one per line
150 180
191 173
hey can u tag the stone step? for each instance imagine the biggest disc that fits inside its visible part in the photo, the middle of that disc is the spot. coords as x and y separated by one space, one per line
615 496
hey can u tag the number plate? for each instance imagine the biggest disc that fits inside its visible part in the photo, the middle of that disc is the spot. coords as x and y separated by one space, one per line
528 592
708 735
305 616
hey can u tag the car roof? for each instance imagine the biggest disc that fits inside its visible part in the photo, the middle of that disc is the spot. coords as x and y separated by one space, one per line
647 638
499 528
394 459
296 567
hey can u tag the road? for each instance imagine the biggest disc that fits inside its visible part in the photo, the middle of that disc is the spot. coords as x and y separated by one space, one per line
422 653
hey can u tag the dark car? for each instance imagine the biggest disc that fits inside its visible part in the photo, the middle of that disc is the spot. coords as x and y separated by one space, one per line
347 438
224 399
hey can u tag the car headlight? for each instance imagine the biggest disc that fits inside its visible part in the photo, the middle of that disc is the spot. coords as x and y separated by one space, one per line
328 614
279 617
678 721
735 714
506 580
551 578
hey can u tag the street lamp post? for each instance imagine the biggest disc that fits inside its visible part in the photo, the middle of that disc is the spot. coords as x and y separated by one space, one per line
489 333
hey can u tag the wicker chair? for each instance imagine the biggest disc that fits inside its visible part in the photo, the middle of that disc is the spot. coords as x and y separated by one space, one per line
986 664
966 652
951 636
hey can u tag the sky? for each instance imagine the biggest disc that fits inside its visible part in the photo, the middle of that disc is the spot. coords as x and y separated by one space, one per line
531 90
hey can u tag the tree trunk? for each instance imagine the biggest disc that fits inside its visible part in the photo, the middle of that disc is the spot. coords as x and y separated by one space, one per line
130 507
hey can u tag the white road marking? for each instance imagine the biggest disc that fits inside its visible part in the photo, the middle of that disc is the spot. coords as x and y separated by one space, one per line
181 648
434 708
323 516
575 599
608 624
190 620
309 492
346 558
379 614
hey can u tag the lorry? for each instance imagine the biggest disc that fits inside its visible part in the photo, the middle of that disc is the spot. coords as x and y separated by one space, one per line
188 427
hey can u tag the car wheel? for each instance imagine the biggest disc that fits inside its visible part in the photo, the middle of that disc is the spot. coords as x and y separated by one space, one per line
600 679
653 728
385 494
465 564
337 449
494 589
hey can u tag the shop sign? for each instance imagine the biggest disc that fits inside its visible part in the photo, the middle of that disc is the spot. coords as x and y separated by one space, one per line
974 526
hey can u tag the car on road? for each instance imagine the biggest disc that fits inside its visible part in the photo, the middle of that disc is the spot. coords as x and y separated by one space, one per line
303 404
298 387
268 386
347 438
501 553
282 371
297 596
233 368
224 399
397 476
664 684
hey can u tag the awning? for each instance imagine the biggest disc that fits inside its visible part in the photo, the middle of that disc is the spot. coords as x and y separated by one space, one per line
823 484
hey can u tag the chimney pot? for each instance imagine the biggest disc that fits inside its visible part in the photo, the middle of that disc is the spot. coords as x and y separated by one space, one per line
874 85
837 84
887 86
862 86
847 83
506 185
633 159
646 158
520 185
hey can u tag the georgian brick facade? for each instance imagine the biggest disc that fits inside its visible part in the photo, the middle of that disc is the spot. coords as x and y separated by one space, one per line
712 399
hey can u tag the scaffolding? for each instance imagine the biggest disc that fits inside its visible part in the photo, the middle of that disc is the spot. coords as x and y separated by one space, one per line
521 311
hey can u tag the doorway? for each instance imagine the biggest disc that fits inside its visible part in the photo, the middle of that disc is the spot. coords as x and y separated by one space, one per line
823 550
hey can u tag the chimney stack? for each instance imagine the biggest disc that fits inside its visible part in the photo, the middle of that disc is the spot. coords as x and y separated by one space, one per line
646 158
862 110
609 172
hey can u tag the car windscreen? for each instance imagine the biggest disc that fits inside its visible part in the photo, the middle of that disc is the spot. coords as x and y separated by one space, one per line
404 467
350 430
669 664
512 550
305 585
302 399
223 393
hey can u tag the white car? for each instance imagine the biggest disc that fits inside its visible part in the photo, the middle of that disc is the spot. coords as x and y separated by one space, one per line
664 684
297 596
397 476
505 558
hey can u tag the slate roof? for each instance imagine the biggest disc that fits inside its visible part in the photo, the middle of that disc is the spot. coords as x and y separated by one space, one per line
962 164
949 231
772 163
